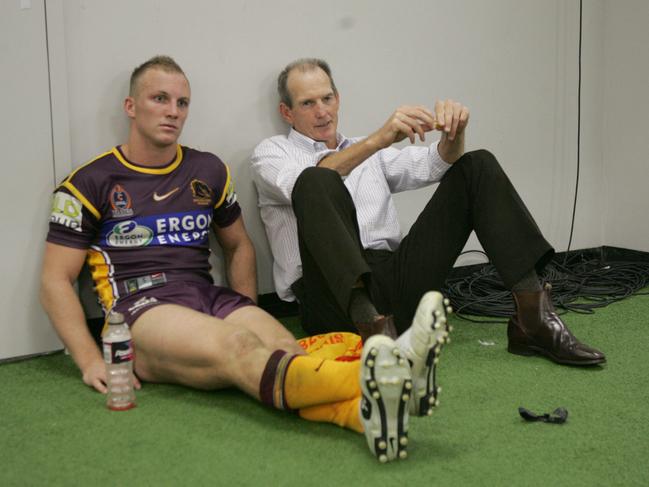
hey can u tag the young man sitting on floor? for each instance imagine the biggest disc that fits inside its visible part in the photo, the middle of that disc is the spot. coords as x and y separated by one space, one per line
140 215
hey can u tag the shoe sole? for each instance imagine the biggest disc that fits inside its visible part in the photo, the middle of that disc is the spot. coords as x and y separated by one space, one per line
530 350
426 390
386 387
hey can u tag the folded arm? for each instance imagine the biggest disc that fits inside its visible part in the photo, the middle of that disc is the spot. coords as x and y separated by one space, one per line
406 122
450 118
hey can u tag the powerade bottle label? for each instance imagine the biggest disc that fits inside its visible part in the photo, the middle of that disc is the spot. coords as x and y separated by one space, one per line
118 352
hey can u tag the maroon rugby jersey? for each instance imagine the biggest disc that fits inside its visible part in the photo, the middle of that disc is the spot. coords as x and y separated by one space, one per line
143 226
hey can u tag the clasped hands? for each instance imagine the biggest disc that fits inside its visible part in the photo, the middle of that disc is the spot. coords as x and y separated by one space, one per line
408 121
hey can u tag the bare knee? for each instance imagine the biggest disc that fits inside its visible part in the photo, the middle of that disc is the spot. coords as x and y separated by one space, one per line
271 332
288 344
220 360
229 362
240 344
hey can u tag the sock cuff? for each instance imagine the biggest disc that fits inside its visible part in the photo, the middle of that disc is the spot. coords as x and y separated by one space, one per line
271 386
361 308
529 282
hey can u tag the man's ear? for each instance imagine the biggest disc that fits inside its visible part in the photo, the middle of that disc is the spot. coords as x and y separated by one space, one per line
286 112
129 106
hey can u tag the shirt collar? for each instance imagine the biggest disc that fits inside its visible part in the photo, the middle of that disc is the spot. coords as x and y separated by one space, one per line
311 145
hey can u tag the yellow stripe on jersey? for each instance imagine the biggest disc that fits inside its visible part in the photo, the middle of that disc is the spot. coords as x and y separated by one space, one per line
67 184
151 170
102 275
226 188
84 165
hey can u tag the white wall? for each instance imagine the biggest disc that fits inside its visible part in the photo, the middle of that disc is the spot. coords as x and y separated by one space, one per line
516 65
624 112
513 62
27 177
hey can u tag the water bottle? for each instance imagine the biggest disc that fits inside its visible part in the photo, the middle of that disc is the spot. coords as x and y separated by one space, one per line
118 355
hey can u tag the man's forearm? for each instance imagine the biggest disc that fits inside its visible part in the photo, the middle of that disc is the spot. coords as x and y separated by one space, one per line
62 305
405 122
346 160
242 271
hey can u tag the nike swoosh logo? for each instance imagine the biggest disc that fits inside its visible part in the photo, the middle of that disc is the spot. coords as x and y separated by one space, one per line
161 197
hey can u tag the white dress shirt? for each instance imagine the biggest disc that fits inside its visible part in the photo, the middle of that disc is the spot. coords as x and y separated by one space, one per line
278 161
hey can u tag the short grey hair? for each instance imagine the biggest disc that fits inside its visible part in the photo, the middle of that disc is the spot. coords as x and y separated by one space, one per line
303 64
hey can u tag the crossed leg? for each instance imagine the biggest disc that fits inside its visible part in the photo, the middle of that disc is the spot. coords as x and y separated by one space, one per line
175 344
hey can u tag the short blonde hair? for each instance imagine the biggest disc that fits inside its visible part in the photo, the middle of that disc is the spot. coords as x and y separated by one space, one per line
166 63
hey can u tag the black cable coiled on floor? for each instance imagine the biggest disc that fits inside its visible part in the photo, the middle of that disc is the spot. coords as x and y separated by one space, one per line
578 284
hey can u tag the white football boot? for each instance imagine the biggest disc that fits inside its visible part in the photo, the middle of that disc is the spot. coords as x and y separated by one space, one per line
386 386
422 344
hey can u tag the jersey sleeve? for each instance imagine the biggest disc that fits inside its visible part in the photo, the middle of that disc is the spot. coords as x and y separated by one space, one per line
226 209
72 224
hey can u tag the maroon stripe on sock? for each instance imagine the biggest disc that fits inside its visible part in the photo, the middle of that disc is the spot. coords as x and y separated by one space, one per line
267 383
284 365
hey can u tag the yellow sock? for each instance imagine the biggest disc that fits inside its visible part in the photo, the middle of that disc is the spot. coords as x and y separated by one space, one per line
311 381
343 413
338 345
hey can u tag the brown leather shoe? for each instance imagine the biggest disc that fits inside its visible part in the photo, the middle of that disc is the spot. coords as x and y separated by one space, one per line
537 329
382 325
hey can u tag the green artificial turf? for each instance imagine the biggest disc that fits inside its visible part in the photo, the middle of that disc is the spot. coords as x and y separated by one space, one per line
56 431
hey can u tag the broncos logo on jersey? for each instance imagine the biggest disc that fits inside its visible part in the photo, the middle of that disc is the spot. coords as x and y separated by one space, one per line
201 192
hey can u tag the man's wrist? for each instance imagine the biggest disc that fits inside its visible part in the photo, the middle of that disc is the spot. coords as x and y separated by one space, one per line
450 153
87 358
372 143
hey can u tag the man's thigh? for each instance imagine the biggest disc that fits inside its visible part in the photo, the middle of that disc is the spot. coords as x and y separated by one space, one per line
175 344
271 332
426 254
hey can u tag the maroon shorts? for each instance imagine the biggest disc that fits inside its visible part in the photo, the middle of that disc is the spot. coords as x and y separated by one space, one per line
200 296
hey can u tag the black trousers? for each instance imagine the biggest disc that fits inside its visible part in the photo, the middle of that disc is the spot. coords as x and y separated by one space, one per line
474 194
